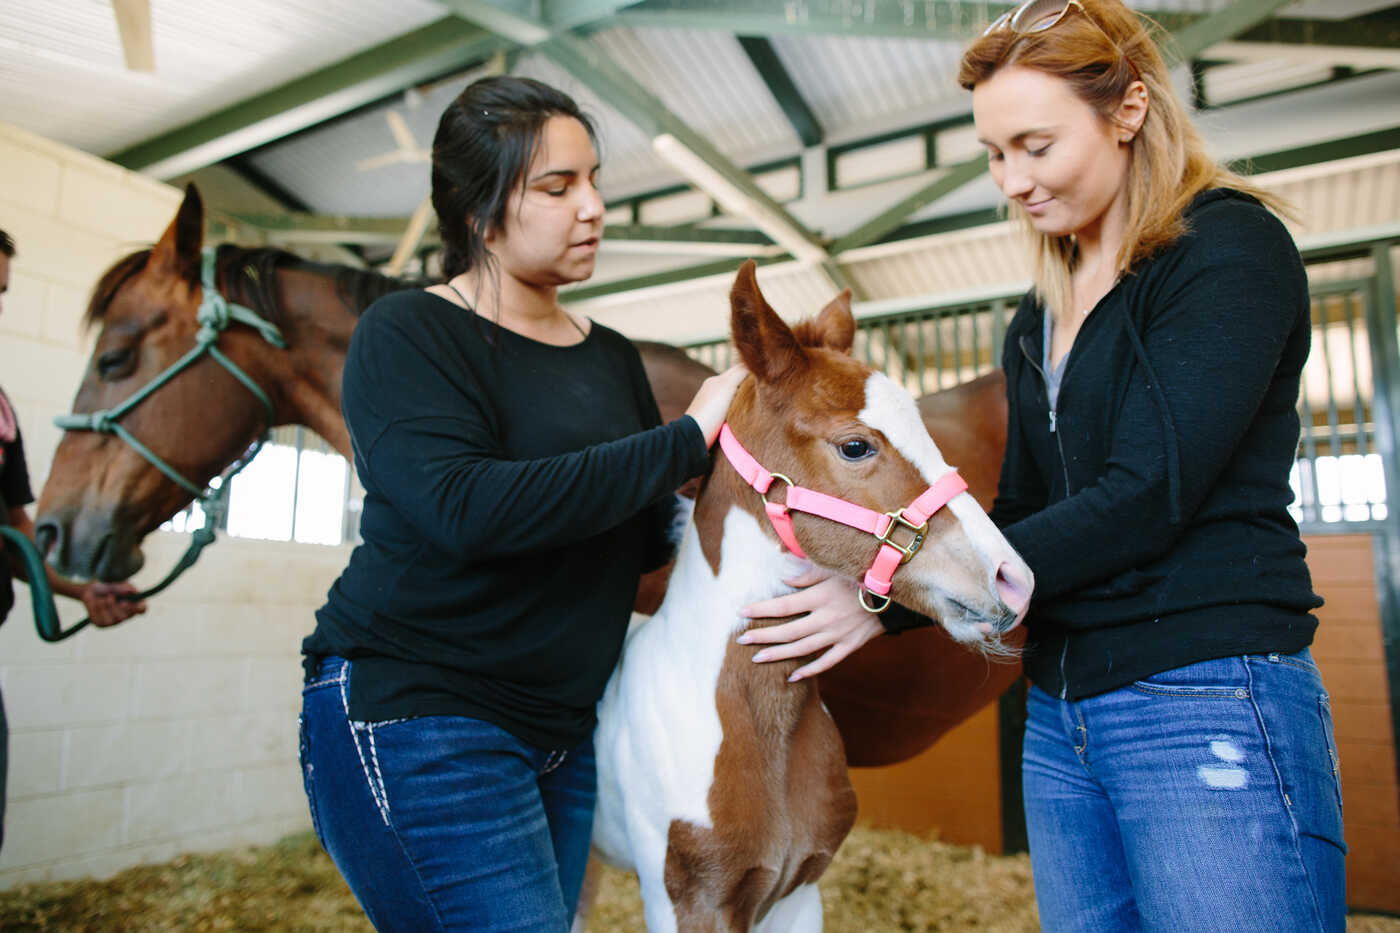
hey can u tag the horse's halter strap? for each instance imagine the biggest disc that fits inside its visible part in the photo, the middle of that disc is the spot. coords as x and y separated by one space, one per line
215 314
883 525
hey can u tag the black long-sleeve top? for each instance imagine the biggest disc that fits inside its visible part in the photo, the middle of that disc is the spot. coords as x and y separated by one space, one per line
514 492
1152 507
14 492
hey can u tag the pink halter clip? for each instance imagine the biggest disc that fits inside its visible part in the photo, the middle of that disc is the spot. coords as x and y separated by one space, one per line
913 517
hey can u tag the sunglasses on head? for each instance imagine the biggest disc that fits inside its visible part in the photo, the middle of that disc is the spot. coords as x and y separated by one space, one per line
1034 16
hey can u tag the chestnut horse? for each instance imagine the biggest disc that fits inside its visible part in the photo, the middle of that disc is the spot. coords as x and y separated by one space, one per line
891 700
730 822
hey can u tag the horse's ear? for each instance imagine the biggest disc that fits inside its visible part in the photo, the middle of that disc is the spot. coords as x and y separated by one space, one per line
178 249
765 343
834 327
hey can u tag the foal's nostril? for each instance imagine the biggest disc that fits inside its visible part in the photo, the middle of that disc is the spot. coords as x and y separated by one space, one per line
1014 589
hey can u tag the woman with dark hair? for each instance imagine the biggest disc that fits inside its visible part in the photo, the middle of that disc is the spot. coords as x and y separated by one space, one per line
517 483
1179 769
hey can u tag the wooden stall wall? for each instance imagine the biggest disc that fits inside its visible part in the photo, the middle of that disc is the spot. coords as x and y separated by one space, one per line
1350 651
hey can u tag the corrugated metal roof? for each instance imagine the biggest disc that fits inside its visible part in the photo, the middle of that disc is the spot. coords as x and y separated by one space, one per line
857 85
64 78
1343 195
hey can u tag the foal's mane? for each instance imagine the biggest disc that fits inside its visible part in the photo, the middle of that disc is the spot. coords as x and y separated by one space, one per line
249 276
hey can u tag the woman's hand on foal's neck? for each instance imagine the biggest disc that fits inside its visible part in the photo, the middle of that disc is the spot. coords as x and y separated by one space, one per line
830 623
711 404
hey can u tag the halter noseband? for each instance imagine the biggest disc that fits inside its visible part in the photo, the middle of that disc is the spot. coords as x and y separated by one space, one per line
882 525
215 314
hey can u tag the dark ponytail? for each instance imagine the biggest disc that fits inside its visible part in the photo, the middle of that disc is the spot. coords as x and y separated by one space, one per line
484 143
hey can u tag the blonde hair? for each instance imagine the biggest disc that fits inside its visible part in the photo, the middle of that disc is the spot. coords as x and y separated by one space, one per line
1100 49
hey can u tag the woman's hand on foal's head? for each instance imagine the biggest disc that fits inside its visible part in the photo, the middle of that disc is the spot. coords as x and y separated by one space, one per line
830 623
711 403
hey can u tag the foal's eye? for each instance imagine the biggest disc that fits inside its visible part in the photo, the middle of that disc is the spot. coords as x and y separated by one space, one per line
115 363
855 449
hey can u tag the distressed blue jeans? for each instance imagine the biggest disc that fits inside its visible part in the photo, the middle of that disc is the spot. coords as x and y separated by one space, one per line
445 823
1204 798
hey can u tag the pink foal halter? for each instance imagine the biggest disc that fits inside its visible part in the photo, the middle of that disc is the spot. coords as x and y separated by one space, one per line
913 517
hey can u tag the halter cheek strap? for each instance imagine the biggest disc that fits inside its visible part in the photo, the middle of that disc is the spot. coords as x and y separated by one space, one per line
883 525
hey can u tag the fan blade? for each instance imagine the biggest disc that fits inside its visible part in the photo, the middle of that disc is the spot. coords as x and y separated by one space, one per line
134 26
412 236
389 158
402 134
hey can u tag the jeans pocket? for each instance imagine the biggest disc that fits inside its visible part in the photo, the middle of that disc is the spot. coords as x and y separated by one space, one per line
1223 678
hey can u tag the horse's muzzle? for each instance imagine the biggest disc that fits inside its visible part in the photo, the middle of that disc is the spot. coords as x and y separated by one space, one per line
87 545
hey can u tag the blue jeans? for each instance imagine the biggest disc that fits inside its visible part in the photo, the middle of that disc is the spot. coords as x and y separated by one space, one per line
1205 798
445 822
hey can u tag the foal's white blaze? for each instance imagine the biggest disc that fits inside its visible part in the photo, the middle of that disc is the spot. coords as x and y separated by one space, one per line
891 410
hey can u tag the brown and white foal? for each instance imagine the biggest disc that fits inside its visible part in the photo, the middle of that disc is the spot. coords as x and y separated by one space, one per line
722 785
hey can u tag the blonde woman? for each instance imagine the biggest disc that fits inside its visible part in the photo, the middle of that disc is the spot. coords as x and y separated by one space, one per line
1179 767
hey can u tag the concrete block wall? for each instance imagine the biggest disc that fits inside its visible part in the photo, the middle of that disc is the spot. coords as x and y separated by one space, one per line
176 731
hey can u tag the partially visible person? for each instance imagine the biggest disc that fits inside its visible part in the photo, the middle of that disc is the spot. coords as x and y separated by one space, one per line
517 481
102 600
1179 767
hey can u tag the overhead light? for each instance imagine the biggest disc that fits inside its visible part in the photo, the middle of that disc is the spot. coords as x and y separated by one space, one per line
734 199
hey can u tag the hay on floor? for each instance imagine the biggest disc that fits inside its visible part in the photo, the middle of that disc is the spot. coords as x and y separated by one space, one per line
880 881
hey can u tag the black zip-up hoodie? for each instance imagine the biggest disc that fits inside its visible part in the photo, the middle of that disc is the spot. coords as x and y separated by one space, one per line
1152 503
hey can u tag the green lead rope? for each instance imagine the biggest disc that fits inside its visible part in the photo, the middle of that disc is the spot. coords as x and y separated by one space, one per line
46 619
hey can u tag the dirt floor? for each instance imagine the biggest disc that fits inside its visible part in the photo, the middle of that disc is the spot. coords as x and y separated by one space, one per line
880 881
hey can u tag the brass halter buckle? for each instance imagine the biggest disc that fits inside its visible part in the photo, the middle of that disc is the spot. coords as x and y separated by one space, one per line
874 610
919 532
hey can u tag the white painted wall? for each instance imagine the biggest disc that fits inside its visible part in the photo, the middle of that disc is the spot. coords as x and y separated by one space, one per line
176 731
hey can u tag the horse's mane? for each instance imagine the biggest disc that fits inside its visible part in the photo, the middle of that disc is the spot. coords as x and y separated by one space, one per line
250 275
253 274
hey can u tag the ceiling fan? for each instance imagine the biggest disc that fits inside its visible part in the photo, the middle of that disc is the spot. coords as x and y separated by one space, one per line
408 149
134 26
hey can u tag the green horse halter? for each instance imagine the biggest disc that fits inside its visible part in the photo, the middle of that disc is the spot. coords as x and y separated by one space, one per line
215 314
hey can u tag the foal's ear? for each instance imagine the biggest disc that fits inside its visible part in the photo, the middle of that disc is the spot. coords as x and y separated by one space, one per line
765 343
177 253
834 326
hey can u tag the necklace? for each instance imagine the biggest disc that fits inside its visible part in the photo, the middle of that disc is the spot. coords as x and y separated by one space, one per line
567 316
461 296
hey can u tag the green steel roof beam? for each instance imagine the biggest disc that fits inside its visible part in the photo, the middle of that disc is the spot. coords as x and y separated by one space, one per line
1227 23
1346 148
426 53
890 219
1379 30
770 68
684 274
306 227
689 151
959 20
899 19
520 21
572 14
530 22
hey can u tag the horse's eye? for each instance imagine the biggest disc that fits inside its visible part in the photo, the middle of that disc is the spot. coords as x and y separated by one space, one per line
855 449
115 363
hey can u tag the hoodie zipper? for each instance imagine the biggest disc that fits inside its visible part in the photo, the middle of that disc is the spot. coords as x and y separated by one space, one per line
1054 413
1064 467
